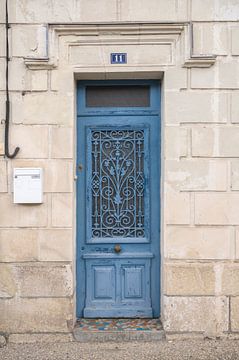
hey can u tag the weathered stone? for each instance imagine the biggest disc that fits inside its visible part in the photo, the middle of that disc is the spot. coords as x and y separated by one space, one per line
17 215
62 206
221 75
91 336
195 107
61 142
235 313
215 142
156 10
2 108
187 175
39 338
216 209
235 175
35 315
208 315
44 280
17 107
18 245
176 78
57 10
55 244
235 36
199 13
63 80
59 176
7 282
230 279
47 108
1 148
189 279
176 142
33 141
2 39
39 80
54 80
2 74
3 176
92 56
17 75
177 207
224 10
235 107
29 41
2 12
237 243
87 11
198 243
210 38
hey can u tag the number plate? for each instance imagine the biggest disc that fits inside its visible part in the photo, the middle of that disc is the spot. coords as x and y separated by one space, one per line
118 58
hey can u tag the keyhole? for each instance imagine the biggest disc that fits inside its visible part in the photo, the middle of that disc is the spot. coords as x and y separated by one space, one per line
80 167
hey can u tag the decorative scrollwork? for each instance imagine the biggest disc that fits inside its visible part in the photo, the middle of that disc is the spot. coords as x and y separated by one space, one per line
117 183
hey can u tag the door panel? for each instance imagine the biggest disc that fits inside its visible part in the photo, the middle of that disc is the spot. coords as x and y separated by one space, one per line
118 217
132 282
118 287
103 282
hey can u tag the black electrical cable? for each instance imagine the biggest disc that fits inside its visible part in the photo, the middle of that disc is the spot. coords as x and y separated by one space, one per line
7 154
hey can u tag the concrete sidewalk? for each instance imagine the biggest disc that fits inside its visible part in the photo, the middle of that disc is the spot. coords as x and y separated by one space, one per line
163 350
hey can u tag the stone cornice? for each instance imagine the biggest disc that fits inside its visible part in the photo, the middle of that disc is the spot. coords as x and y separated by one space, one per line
200 61
122 28
39 63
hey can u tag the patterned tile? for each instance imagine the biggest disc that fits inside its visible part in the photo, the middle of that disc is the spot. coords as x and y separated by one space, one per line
119 324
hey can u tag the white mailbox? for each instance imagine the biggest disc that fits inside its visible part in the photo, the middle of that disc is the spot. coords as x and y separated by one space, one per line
27 186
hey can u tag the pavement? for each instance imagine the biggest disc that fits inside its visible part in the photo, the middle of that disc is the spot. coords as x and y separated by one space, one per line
162 350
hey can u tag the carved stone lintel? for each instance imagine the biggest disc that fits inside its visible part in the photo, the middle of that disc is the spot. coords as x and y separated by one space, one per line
165 31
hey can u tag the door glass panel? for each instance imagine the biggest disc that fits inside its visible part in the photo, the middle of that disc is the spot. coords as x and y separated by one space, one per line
118 183
118 96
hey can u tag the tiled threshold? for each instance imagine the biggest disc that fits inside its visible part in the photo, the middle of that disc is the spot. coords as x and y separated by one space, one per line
93 330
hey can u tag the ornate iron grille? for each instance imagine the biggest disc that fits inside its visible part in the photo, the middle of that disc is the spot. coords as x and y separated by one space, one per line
117 183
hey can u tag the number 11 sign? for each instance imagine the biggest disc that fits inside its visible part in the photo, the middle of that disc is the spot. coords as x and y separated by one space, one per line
118 58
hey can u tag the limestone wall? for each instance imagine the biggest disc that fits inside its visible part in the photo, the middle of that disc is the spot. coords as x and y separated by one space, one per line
200 153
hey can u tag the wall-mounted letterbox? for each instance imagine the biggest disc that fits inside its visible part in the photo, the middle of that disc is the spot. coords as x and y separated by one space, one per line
27 186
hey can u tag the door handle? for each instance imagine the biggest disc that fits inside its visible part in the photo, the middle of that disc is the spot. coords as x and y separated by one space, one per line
117 248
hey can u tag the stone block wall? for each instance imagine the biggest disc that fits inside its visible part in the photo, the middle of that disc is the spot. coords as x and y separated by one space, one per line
200 159
201 193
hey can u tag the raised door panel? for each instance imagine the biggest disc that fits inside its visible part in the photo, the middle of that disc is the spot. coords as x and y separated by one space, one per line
104 282
118 286
132 282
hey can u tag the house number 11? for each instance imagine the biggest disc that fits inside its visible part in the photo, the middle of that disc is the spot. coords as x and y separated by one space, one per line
118 58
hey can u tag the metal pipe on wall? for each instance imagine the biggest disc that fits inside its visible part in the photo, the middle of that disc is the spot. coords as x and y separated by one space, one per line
7 117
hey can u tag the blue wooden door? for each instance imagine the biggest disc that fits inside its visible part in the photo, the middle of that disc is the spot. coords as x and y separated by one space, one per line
118 199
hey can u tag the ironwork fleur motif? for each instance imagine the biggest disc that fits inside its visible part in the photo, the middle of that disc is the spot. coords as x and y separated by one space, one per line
117 183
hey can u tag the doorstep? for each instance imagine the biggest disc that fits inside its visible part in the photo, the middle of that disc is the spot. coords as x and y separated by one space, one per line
98 330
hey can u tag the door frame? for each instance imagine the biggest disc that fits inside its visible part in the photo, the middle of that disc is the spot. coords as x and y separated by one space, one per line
82 110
